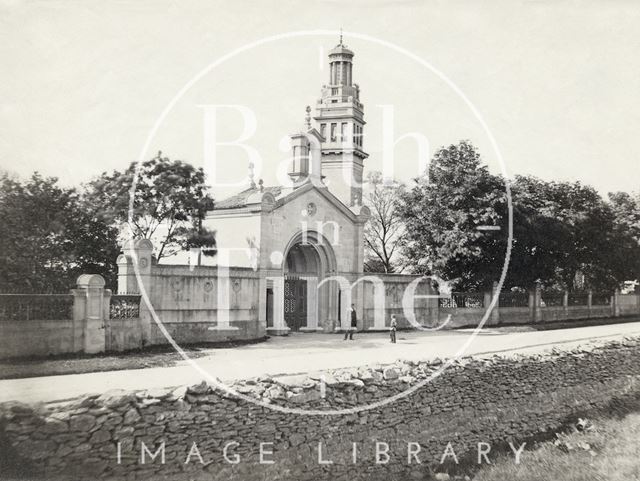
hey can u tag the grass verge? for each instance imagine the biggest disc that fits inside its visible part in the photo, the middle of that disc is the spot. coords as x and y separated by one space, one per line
154 356
609 451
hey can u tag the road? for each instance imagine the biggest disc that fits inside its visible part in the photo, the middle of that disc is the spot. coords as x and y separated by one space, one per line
301 353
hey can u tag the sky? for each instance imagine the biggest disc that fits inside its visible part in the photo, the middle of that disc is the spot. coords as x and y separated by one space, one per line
83 83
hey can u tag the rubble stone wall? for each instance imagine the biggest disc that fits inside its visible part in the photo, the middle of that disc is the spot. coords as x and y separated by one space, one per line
151 434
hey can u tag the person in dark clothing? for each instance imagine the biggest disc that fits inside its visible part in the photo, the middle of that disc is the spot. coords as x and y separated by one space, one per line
354 324
392 328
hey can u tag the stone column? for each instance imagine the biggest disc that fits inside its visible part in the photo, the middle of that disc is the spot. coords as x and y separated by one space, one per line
280 327
312 305
363 216
135 253
495 313
565 304
328 294
79 314
537 301
106 316
616 303
262 302
486 301
532 304
93 338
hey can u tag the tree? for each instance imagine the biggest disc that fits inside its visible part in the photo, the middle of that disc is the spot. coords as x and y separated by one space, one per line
626 210
169 204
51 235
442 213
197 236
566 228
560 229
384 232
542 241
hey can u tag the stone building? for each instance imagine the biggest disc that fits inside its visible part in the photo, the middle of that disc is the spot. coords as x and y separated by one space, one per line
302 234
290 257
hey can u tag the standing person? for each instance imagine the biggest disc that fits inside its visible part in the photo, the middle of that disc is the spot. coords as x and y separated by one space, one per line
392 328
354 323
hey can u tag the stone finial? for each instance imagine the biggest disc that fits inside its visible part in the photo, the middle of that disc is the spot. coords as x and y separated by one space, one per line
261 184
251 175
307 118
90 280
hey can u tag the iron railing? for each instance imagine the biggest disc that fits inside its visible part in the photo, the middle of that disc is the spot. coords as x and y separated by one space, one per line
124 307
514 299
4 289
601 299
462 300
29 307
552 299
578 299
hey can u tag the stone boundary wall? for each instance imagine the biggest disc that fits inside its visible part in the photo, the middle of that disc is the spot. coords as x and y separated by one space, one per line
629 304
40 338
81 330
186 301
492 400
124 334
552 314
392 291
429 313
28 338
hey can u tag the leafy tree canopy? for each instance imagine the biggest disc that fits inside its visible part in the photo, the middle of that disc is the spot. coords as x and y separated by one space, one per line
561 230
51 235
565 230
169 203
442 213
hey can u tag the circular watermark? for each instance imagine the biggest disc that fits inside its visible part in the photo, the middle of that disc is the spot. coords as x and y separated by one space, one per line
214 381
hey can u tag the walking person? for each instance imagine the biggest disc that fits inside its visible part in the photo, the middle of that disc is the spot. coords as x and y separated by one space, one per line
392 328
354 323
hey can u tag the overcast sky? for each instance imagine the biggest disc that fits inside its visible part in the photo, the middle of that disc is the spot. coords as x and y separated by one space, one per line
558 83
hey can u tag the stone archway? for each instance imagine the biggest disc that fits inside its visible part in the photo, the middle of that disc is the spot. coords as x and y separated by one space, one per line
309 258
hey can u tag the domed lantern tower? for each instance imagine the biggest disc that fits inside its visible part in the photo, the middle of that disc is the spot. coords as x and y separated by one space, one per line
340 120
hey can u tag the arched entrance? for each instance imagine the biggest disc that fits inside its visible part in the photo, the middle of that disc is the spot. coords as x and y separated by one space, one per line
302 269
309 259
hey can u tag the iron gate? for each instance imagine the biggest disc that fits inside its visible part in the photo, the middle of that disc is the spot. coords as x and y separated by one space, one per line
295 302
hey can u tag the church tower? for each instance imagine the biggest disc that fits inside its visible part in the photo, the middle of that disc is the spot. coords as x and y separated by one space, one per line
340 120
